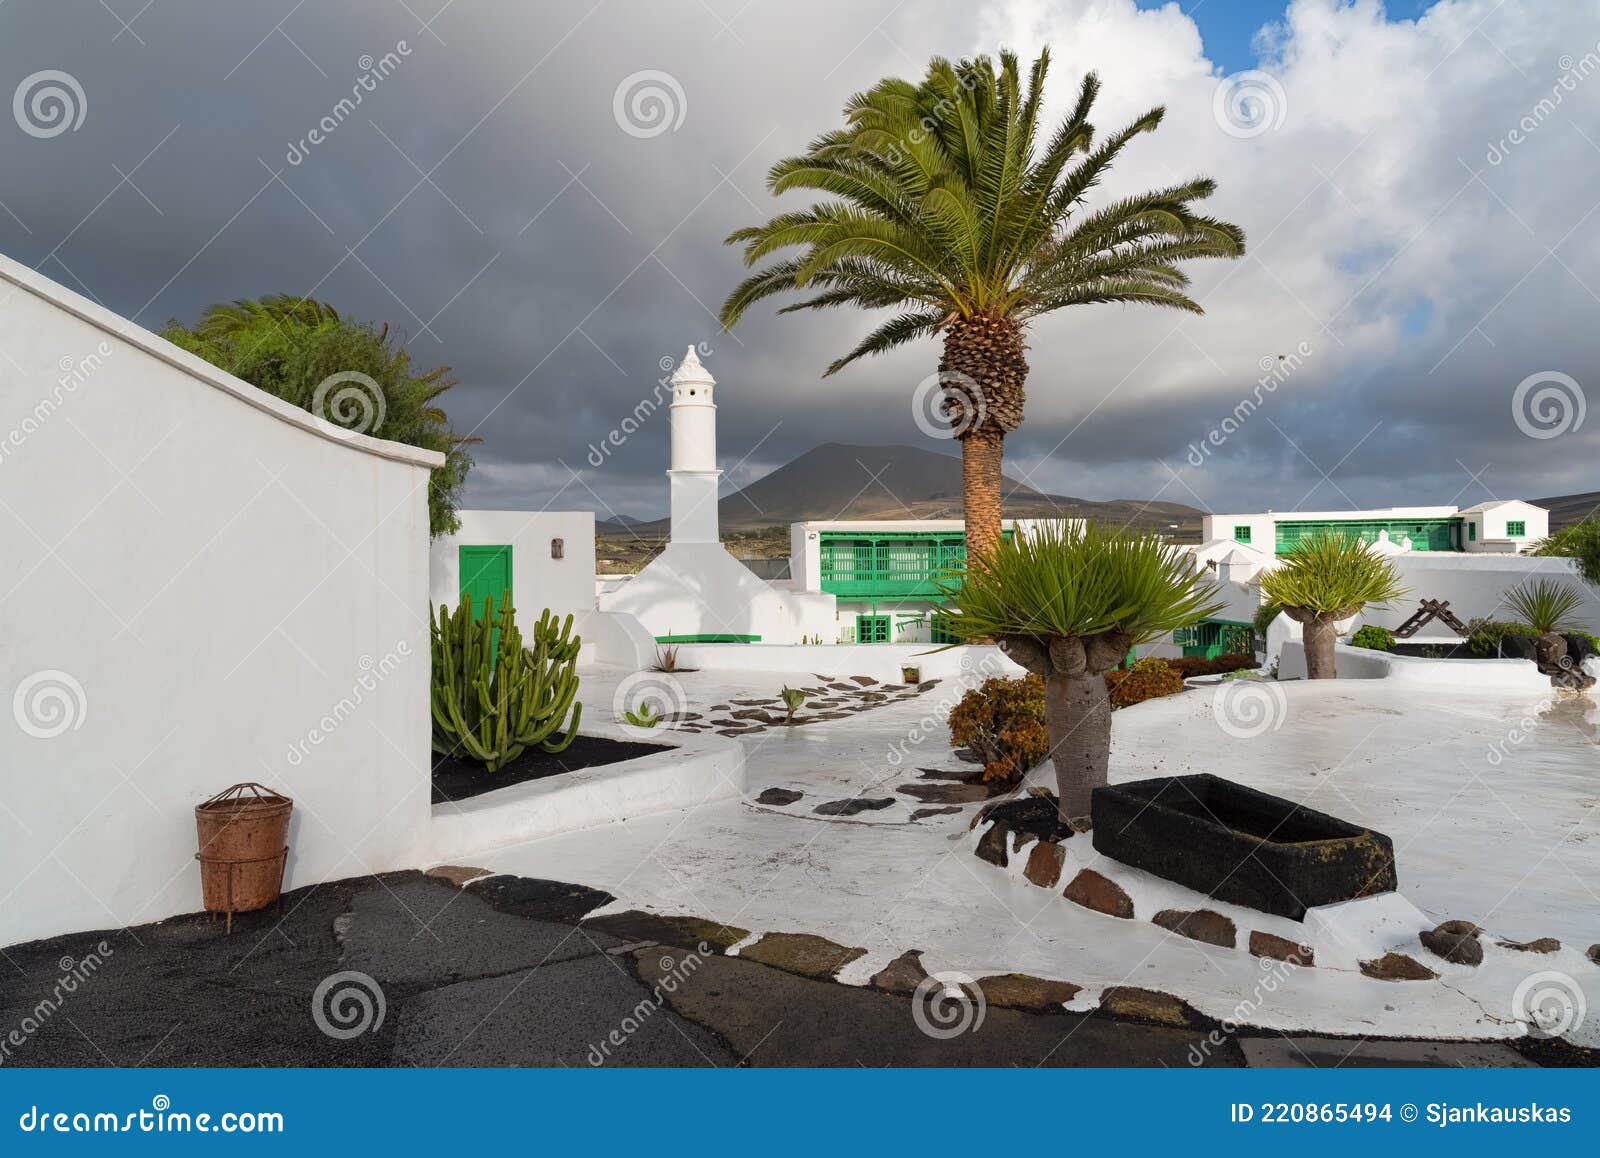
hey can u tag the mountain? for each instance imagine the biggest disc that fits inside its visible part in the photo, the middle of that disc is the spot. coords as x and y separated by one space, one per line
843 481
1568 509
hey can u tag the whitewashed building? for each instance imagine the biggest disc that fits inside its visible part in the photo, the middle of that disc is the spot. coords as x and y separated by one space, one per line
1506 527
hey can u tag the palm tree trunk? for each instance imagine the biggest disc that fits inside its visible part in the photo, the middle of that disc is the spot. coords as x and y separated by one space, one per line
1319 636
1077 712
981 455
983 370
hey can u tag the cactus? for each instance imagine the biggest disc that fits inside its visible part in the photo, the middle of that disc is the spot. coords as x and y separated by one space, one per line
492 697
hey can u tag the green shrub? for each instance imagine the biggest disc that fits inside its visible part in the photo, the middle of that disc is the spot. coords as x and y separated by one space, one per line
492 698
1003 722
1484 635
1265 614
1374 638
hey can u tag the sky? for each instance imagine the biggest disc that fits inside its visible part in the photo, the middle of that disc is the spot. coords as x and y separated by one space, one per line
536 195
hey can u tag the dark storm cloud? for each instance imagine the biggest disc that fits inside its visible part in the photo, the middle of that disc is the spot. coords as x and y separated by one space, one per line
484 199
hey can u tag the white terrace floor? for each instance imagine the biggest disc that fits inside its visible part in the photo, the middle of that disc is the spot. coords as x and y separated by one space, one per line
1492 805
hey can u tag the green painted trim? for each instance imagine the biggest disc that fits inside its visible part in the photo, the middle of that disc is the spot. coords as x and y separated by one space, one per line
708 639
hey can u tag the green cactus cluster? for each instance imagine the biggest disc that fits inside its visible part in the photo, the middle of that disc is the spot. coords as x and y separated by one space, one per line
494 698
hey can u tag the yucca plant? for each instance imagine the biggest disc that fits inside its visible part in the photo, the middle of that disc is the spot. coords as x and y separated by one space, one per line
1067 601
1323 580
949 201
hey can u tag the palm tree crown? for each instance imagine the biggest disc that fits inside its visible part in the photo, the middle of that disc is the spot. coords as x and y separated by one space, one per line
947 203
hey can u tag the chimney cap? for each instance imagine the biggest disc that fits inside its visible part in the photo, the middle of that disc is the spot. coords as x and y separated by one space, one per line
690 370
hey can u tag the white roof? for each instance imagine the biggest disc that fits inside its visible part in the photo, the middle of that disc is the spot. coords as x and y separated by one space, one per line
1497 503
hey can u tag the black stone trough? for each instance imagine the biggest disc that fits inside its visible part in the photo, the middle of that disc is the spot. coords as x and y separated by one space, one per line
1239 845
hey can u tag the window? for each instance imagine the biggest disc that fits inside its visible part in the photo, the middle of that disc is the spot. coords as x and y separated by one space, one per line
1241 534
872 629
1516 528
1472 532
940 630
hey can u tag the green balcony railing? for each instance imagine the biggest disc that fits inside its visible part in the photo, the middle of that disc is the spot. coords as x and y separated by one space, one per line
898 565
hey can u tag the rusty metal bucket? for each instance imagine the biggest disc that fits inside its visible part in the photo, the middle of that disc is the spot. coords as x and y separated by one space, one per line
244 846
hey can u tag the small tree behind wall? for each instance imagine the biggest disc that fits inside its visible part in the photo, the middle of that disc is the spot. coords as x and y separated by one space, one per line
1067 602
1324 580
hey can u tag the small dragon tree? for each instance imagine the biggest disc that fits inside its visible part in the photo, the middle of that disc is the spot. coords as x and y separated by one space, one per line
1323 580
1067 601
1547 608
492 697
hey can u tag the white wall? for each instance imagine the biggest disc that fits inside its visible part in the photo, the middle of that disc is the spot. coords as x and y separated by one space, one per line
231 590
1474 585
538 581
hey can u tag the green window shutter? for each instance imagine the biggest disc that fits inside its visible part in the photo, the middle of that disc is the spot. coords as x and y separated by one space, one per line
1472 532
1516 528
1241 534
872 629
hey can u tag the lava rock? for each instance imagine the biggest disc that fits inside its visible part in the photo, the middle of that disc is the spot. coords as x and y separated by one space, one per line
924 813
903 974
864 681
1020 991
1150 1005
802 953
1281 949
1458 947
1542 945
779 796
1044 864
684 932
458 875
1093 891
1199 925
992 846
1033 816
1397 967
853 806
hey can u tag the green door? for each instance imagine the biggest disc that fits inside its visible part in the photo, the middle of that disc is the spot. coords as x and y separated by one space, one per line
485 571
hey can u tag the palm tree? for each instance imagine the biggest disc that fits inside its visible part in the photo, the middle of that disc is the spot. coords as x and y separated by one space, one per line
1580 541
1323 580
1067 601
945 204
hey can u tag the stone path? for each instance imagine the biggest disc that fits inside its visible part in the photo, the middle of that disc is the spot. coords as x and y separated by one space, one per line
513 971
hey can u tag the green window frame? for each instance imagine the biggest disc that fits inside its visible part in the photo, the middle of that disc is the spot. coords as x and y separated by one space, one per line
1241 533
939 629
1472 532
1516 528
872 629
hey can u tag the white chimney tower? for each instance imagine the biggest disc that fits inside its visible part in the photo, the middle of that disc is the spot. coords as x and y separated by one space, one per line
694 474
